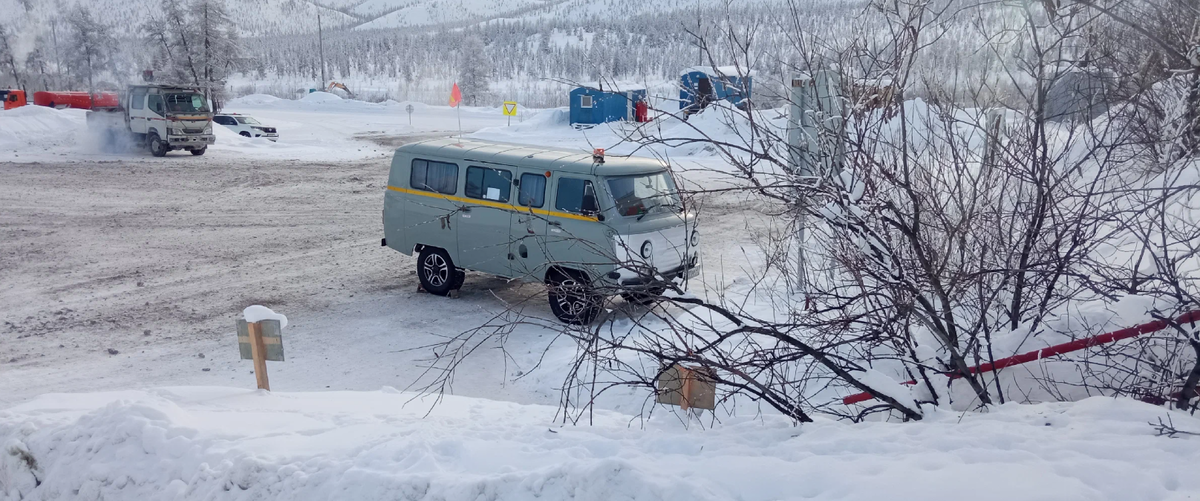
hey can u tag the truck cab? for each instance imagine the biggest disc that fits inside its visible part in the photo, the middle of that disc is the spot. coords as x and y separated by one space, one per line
162 117
585 226
12 98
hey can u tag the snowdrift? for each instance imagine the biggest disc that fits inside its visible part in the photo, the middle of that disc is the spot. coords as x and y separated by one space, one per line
223 443
38 129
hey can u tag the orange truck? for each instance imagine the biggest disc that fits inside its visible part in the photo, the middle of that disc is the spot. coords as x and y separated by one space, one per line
12 98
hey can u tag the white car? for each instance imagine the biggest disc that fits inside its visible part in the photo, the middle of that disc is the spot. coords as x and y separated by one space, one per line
246 125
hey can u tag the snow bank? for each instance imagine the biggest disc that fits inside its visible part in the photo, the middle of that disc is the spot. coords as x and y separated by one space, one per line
258 313
40 130
223 443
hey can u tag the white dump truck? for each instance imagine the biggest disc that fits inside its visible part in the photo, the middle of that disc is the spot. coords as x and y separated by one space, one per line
159 117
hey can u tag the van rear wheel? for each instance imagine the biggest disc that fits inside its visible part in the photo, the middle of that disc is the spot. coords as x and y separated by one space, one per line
571 298
437 272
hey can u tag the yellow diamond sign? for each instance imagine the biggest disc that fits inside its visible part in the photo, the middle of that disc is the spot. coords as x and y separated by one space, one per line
510 108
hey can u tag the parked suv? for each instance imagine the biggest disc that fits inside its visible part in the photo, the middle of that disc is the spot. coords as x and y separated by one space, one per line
246 126
585 226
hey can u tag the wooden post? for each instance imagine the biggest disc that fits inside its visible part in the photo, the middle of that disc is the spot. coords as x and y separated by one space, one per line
259 351
686 390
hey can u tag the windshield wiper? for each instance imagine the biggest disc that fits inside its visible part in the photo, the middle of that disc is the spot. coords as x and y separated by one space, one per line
647 209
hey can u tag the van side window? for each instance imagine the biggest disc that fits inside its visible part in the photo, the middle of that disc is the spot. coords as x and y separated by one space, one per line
533 190
576 195
440 177
137 100
488 183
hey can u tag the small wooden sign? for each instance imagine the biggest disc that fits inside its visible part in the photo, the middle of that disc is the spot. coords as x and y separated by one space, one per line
272 336
261 341
687 387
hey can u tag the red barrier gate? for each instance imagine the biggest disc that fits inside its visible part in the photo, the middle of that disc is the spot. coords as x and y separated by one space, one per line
1078 344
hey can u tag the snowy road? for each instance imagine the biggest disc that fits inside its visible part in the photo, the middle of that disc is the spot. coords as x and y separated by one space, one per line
155 259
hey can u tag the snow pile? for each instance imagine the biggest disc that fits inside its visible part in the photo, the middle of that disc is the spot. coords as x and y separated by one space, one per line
255 100
258 313
223 443
38 129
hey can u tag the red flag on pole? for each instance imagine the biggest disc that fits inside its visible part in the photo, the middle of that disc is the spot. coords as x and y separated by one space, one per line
455 96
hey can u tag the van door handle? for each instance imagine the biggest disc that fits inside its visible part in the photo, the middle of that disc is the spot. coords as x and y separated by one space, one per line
466 208
555 223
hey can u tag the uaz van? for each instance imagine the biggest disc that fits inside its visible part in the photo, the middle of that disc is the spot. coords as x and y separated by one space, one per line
584 225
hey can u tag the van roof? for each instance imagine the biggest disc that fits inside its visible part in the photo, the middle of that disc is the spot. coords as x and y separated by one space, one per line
534 157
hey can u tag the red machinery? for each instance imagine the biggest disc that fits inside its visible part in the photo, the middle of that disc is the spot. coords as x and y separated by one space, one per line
1078 344
72 99
12 98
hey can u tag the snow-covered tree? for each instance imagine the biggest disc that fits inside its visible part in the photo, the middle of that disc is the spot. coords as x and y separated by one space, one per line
92 45
8 60
474 70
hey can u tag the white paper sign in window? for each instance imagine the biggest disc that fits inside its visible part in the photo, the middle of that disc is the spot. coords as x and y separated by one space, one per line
493 194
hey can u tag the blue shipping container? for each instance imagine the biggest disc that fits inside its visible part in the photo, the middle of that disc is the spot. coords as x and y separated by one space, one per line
590 106
723 83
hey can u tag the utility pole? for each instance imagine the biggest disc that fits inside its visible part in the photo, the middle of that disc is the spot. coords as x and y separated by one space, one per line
321 48
699 41
57 59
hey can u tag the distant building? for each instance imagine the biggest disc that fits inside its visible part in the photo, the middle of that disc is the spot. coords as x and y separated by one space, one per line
592 105
1078 94
700 86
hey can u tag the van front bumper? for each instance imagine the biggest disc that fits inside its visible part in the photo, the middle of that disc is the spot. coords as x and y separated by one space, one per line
191 140
629 279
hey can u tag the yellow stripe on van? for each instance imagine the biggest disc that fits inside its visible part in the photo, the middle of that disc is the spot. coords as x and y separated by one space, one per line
497 205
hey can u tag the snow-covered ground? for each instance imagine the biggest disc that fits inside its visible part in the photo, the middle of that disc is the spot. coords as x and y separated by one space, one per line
224 443
318 127
120 377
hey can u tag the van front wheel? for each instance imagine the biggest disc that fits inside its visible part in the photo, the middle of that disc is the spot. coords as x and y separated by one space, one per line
437 272
572 300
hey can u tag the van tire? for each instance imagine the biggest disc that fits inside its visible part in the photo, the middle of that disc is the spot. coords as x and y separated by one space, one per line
157 147
244 134
571 297
199 151
437 272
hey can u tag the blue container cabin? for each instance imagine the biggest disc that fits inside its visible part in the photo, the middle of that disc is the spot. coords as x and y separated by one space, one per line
591 106
724 83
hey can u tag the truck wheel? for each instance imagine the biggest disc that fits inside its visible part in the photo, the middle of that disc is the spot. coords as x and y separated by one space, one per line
244 134
199 151
157 147
571 298
437 272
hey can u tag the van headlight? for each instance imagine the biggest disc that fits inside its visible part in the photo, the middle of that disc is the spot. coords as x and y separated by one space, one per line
695 240
647 249
174 131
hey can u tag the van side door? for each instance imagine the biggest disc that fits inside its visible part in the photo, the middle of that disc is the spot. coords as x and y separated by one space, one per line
430 207
483 221
527 233
575 238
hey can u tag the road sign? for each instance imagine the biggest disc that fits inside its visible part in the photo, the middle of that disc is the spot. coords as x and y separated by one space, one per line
272 335
510 108
409 109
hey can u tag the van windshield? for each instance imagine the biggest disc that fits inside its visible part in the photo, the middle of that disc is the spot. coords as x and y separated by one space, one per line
638 195
189 102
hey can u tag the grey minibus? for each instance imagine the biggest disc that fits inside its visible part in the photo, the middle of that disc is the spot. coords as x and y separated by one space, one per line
583 224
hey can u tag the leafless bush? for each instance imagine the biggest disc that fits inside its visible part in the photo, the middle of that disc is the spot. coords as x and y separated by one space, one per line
949 233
